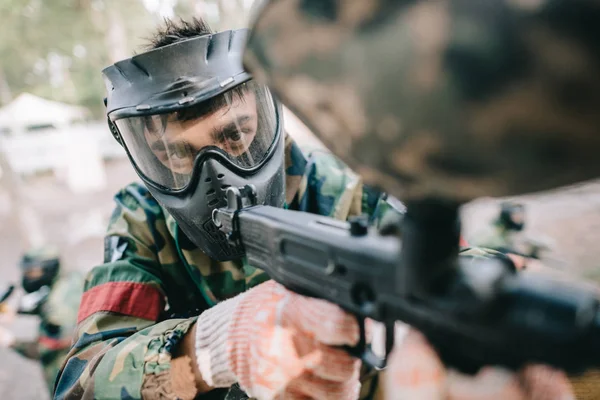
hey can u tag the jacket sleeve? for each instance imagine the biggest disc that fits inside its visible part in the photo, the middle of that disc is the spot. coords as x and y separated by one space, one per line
119 349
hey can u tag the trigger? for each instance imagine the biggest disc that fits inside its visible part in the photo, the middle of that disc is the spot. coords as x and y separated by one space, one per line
364 351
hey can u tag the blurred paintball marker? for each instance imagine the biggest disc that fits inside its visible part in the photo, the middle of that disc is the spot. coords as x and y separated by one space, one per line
5 296
7 293
474 312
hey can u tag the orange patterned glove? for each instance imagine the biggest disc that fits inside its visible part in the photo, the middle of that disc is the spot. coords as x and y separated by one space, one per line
415 372
278 345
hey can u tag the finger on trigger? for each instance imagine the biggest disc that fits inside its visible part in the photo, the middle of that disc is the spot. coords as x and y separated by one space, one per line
325 321
333 364
322 389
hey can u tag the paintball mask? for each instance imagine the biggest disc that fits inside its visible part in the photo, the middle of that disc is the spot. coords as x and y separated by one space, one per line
40 268
512 216
193 124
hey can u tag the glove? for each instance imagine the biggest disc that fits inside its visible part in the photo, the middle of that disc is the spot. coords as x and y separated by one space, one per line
7 339
415 372
278 345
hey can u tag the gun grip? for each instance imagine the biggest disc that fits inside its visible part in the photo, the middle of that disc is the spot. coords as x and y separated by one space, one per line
364 351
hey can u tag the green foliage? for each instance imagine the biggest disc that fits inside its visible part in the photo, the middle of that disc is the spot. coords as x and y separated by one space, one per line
57 48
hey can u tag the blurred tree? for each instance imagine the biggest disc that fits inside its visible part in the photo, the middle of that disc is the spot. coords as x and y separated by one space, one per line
220 14
5 93
207 9
57 48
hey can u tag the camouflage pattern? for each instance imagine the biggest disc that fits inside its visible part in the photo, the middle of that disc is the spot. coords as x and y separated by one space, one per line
456 99
58 317
139 304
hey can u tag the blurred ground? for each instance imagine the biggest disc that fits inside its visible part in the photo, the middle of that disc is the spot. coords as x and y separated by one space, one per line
569 218
20 378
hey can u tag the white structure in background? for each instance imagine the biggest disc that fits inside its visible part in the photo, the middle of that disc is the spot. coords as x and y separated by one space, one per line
39 135
32 130
28 112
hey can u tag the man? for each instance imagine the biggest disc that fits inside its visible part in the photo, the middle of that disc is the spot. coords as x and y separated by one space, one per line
503 232
163 318
54 297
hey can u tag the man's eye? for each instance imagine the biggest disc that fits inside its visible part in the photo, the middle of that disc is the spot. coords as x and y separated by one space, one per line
236 135
180 151
232 135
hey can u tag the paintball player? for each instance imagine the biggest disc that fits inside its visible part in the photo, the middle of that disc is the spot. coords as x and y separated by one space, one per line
171 313
175 312
54 297
503 233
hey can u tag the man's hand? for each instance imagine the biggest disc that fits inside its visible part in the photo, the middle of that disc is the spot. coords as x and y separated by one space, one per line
415 372
278 345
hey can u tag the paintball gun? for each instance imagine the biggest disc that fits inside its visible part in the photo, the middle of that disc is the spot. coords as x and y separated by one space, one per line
5 296
7 293
474 312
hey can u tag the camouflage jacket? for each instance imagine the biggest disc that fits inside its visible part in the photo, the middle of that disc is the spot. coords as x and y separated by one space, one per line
58 317
138 305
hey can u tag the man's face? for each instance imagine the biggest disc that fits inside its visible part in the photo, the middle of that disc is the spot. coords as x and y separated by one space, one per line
34 273
231 128
518 217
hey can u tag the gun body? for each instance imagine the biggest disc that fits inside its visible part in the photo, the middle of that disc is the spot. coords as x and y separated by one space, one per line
475 312
320 257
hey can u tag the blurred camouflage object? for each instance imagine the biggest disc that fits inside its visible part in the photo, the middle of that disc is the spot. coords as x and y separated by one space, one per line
455 99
